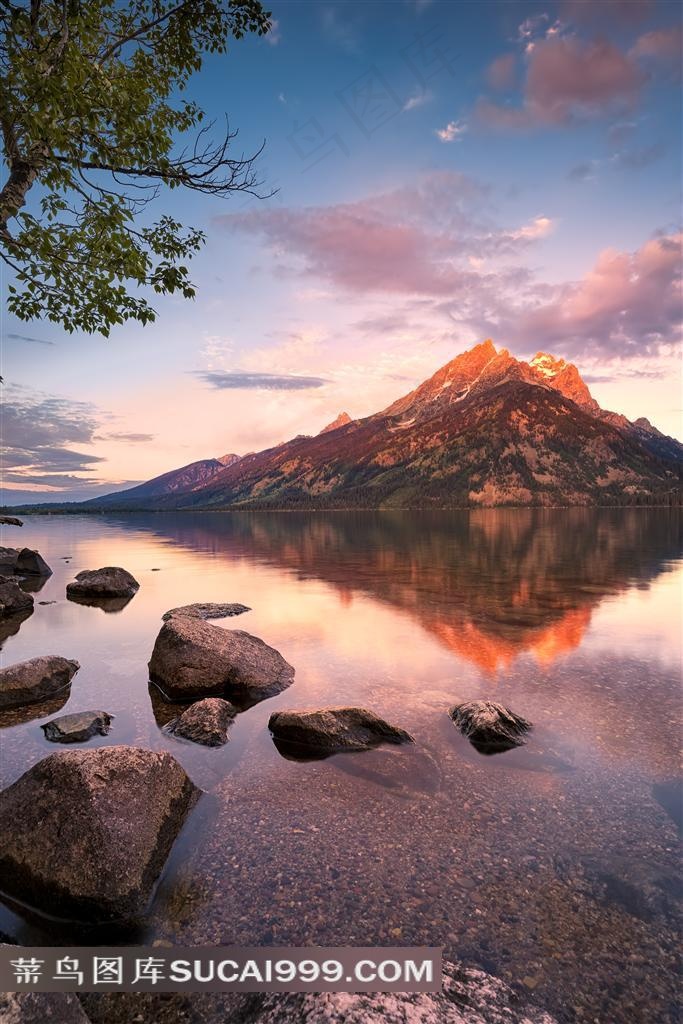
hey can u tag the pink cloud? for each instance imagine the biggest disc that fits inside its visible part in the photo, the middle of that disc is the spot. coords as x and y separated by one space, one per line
568 79
662 44
628 304
501 72
413 240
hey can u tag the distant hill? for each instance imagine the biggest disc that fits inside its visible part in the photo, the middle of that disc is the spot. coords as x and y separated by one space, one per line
173 483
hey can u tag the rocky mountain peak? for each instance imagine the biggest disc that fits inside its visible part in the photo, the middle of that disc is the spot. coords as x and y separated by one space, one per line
342 419
228 460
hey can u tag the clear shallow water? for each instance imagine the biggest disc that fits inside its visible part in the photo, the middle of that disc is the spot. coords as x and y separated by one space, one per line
553 866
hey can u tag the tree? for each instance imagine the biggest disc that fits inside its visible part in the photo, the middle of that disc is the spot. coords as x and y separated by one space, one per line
93 120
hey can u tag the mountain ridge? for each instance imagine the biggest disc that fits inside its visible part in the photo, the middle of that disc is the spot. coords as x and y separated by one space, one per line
485 429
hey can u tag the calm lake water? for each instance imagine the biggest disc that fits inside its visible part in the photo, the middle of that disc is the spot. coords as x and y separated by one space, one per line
553 866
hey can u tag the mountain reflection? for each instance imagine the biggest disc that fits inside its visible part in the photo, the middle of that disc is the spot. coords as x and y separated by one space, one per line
489 585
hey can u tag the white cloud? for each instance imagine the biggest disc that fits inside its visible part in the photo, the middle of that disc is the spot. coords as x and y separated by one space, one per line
418 99
453 131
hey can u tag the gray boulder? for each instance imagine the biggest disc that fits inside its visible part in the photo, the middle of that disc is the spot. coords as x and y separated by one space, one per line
31 563
10 521
13 599
111 581
332 730
86 833
490 727
79 727
193 659
207 611
28 682
205 722
467 996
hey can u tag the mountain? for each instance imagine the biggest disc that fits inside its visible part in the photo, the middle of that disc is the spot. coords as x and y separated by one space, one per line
176 482
486 429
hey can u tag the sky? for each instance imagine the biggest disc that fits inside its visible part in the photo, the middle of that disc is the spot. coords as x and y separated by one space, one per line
440 173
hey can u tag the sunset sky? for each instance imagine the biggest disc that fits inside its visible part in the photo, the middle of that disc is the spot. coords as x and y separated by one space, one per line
445 172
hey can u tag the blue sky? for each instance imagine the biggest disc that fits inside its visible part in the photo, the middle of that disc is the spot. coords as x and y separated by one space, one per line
444 172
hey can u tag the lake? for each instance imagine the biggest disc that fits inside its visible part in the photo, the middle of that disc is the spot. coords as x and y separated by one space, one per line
554 866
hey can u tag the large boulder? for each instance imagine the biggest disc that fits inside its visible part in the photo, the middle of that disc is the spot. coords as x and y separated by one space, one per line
31 563
110 581
193 659
10 521
13 600
467 996
490 727
333 730
207 610
78 727
205 722
28 682
86 833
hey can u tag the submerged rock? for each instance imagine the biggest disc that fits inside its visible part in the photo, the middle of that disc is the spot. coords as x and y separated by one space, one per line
207 611
38 679
193 659
491 728
205 722
332 730
79 727
13 599
10 521
111 581
31 563
468 996
86 833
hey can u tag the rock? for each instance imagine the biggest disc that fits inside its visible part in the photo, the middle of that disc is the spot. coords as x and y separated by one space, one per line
490 728
207 611
32 563
41 1008
13 599
10 521
205 722
8 558
193 659
78 728
468 996
38 679
86 833
332 730
110 581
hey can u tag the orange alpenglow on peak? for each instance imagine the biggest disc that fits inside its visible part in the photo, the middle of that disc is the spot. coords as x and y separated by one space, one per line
342 419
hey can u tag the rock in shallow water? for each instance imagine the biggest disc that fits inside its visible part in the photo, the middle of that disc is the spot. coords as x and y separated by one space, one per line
491 728
193 659
111 581
332 730
28 682
205 722
86 833
10 521
31 563
468 996
13 600
206 611
78 728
